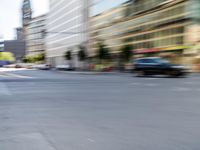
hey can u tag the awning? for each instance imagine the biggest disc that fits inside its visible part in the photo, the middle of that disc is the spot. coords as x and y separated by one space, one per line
193 50
171 48
154 50
143 51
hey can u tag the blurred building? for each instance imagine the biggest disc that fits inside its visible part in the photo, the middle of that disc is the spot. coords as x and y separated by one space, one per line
16 47
66 29
35 40
26 17
1 46
26 12
20 34
168 28
106 27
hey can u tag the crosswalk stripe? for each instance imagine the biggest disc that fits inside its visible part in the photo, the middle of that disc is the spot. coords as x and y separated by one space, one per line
16 76
3 75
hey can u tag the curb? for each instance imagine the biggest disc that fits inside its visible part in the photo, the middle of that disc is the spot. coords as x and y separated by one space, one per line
88 73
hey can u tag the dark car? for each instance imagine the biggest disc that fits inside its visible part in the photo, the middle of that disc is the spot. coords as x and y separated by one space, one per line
158 66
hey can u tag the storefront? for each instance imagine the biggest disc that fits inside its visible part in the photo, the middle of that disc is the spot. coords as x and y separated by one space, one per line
146 52
192 57
173 53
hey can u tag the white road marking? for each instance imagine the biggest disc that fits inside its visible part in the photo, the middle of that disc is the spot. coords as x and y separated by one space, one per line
151 79
91 140
136 83
151 84
18 76
144 84
2 75
4 90
190 82
182 89
12 69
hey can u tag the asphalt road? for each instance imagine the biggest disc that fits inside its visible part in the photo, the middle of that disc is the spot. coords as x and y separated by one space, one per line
44 110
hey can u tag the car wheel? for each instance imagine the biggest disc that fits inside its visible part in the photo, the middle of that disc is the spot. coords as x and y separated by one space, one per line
140 73
174 73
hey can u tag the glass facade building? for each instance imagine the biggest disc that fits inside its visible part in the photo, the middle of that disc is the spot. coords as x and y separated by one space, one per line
26 12
150 26
66 25
35 40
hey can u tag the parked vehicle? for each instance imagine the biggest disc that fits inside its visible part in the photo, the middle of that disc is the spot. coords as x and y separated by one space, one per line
64 68
27 65
4 62
158 66
43 67
10 66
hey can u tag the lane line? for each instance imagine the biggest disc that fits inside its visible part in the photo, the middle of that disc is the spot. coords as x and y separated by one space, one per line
182 89
151 84
144 84
136 83
91 140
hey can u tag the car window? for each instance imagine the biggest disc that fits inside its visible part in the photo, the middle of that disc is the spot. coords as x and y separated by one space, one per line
139 61
159 60
148 61
144 61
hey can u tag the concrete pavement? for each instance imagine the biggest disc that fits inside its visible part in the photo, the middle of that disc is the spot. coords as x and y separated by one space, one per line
57 111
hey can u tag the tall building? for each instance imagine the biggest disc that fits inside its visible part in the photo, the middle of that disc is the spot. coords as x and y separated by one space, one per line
66 29
26 18
152 27
26 12
35 39
16 47
20 34
1 46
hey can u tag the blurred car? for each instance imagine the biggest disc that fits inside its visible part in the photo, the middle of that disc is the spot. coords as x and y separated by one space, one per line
158 66
4 63
13 66
18 66
64 68
10 66
26 65
42 67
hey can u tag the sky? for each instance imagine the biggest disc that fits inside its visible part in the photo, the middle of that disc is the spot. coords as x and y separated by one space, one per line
10 13
106 4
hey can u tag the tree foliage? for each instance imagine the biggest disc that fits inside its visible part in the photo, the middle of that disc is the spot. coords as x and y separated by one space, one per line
7 56
126 53
82 53
68 55
34 58
103 52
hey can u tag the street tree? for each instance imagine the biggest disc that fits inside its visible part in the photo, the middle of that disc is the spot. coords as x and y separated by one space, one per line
68 55
40 57
126 53
103 52
82 55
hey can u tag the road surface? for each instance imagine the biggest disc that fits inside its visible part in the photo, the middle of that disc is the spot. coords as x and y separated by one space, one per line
46 110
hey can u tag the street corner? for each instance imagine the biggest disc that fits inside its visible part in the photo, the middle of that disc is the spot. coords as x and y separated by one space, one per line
13 73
